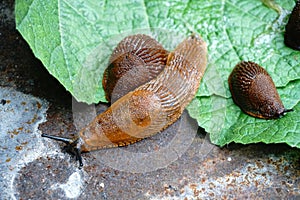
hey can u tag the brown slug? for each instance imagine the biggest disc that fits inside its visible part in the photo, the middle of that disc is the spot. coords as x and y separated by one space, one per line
254 91
151 107
292 29
136 60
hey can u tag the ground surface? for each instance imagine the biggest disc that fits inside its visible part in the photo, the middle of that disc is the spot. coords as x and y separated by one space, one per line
175 164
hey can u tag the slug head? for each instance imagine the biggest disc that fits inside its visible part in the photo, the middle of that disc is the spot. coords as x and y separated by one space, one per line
273 110
72 146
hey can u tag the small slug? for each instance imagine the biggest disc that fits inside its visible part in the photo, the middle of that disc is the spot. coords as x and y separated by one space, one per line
254 91
292 29
136 60
151 107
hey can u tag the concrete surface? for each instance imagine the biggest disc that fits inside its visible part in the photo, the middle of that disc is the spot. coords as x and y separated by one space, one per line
168 165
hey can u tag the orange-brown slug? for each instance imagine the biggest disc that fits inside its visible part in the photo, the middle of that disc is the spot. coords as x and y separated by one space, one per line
151 107
254 91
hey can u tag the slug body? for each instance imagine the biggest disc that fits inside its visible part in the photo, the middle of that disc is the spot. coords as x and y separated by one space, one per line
292 29
154 105
136 60
254 91
151 107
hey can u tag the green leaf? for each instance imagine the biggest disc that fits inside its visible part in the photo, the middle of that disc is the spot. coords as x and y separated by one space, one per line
74 40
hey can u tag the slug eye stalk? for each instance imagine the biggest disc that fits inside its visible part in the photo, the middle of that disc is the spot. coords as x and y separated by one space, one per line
71 146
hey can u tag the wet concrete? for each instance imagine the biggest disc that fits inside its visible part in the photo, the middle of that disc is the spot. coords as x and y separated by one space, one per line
179 163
